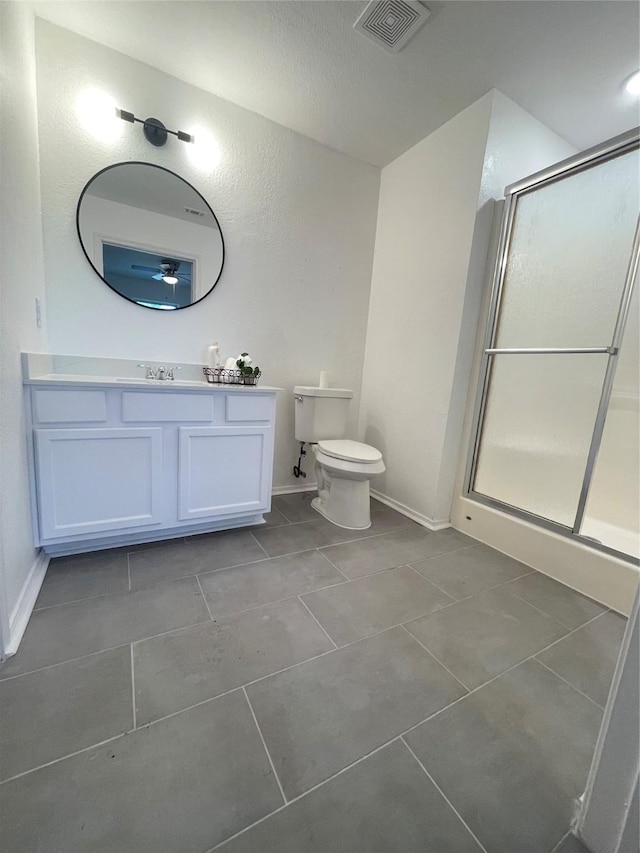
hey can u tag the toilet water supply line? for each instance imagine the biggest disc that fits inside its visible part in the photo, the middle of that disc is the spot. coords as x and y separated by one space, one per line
297 469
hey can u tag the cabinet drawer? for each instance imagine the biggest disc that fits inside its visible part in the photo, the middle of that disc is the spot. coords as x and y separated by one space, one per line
239 408
166 406
72 406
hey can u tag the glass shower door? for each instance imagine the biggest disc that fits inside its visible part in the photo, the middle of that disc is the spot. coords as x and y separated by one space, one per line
559 304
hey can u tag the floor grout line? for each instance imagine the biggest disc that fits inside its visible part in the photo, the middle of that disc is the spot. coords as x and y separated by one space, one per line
320 625
259 544
309 791
437 660
337 568
206 603
433 583
119 736
444 796
133 689
255 720
285 669
277 600
129 572
100 651
495 677
557 674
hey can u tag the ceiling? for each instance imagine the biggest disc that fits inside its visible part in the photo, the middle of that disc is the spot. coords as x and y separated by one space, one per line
300 62
148 187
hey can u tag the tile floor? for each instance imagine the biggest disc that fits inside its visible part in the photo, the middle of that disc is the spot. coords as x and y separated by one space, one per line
298 687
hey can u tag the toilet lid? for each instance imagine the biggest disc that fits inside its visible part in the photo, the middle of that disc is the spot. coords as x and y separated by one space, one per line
350 451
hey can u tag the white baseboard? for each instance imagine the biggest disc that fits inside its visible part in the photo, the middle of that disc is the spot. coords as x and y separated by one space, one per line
291 490
425 521
24 606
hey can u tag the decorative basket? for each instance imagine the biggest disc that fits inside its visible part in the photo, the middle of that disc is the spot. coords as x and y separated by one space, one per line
220 376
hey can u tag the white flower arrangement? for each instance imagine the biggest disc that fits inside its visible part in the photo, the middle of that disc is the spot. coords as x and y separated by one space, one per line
244 362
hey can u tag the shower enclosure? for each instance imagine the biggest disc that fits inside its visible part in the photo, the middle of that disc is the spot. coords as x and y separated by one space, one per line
555 432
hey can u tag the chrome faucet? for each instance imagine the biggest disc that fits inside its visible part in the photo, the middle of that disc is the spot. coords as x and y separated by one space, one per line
162 373
151 374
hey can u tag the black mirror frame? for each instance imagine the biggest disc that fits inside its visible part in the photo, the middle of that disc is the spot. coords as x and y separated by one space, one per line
164 169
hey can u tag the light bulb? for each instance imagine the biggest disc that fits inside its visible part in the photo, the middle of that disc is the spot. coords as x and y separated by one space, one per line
96 111
169 279
204 150
632 86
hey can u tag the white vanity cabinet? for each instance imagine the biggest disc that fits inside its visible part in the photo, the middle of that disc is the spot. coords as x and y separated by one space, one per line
118 464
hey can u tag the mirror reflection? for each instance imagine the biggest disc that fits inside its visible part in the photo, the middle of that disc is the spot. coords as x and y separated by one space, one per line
150 235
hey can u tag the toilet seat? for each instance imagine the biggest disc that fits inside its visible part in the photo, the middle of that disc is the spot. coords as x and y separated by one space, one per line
350 451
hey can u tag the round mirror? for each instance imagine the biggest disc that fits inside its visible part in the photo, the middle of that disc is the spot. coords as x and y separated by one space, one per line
150 235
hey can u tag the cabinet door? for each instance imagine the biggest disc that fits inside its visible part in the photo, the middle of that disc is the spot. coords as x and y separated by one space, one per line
93 480
223 470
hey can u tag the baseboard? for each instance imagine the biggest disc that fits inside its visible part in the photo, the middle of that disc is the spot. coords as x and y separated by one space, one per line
291 490
425 521
24 606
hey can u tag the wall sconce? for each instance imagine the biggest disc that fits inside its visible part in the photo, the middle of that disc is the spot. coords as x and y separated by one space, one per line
154 130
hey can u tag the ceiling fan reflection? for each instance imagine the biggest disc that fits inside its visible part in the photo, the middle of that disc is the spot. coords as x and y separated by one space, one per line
167 271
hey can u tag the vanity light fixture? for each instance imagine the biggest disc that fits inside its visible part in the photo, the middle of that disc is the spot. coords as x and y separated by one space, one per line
154 130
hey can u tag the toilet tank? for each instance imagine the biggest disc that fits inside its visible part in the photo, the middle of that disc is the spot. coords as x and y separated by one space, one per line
321 413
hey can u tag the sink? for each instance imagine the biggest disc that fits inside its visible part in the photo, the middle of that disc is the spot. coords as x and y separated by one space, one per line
161 382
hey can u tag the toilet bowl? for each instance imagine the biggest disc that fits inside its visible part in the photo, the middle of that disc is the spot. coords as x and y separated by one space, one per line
343 470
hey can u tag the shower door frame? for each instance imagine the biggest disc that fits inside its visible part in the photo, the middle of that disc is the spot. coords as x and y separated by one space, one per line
615 147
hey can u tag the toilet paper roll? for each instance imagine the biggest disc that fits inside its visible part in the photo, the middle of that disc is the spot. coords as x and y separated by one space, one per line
324 379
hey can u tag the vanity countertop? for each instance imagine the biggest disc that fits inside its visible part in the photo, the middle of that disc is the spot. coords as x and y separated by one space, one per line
48 369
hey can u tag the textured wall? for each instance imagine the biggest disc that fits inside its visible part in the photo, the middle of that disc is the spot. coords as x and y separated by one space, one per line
21 281
298 221
434 223
426 218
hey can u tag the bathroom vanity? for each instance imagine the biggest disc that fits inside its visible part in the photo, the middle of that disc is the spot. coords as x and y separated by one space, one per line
119 459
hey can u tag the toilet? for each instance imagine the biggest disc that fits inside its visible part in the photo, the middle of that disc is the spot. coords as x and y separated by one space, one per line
343 467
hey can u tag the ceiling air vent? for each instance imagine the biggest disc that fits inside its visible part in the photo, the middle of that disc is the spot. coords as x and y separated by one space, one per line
391 23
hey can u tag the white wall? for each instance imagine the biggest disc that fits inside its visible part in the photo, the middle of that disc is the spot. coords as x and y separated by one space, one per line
426 217
434 222
298 221
21 281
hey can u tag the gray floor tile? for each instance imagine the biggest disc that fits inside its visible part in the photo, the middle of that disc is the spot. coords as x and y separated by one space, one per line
557 600
451 539
57 634
384 804
274 519
70 579
512 757
397 548
370 604
324 714
485 635
587 658
296 507
179 786
48 714
471 570
306 535
270 580
184 667
278 541
204 553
